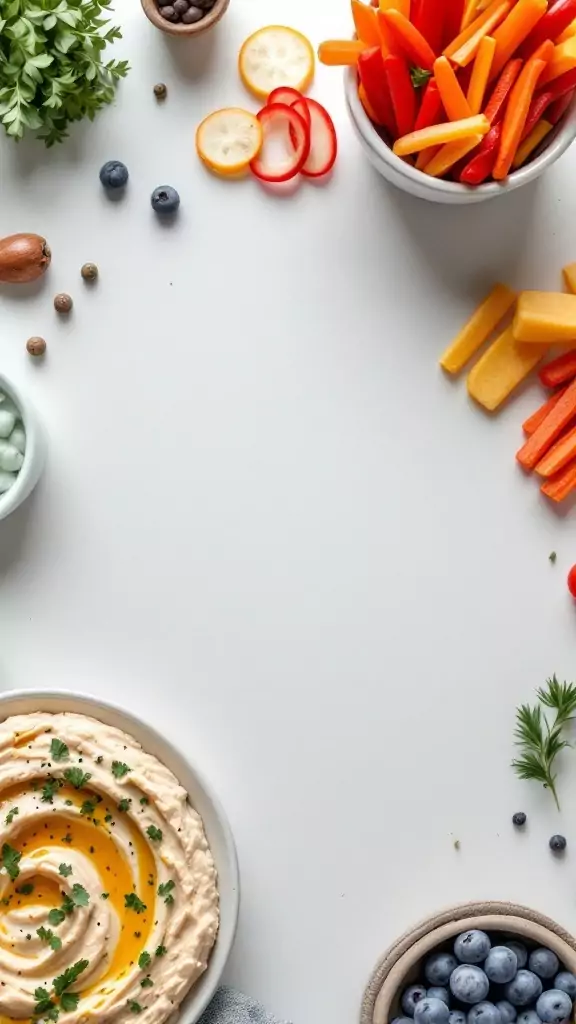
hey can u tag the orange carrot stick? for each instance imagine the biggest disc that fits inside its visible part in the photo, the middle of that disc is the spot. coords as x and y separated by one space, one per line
396 5
450 154
518 25
340 52
480 27
412 42
470 13
515 116
560 486
365 23
530 426
453 99
425 156
559 455
563 59
438 134
557 419
480 74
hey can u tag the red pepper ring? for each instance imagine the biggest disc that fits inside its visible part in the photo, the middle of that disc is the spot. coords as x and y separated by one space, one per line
286 94
280 119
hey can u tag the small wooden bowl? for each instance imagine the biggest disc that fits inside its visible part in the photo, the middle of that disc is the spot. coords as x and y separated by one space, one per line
400 965
152 12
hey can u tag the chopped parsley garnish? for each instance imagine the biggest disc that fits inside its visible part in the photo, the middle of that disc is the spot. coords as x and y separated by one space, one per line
104 895
10 860
144 960
25 890
59 751
107 817
45 935
70 975
147 982
144 800
76 777
88 807
161 951
134 1007
49 790
119 769
80 897
67 838
69 803
65 870
552 557
11 815
56 916
154 833
124 804
45 1007
69 1001
132 902
165 890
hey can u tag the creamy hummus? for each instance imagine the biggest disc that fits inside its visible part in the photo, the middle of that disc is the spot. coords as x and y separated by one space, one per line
108 895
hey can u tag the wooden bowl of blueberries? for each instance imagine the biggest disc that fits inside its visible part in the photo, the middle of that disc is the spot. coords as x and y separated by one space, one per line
184 17
478 963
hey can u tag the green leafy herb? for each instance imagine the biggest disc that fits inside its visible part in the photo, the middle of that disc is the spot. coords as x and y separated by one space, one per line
10 860
55 917
541 740
144 960
11 815
124 804
52 66
147 982
69 1001
59 751
107 817
132 902
45 935
419 77
49 790
119 769
552 557
104 895
165 890
65 870
161 951
67 838
70 975
45 1007
134 1007
88 807
144 800
79 896
26 889
154 833
75 776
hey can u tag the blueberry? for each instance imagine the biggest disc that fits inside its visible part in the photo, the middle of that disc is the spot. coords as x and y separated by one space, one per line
457 1017
472 947
469 984
519 819
484 1013
523 989
528 1017
501 964
543 962
554 1006
507 1011
558 844
520 951
412 996
566 982
431 1011
114 174
439 992
165 199
439 967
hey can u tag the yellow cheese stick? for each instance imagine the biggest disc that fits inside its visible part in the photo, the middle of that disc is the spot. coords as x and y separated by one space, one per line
548 317
570 277
501 369
479 327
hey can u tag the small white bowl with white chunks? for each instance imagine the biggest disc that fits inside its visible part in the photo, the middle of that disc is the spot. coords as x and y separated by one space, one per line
22 448
477 963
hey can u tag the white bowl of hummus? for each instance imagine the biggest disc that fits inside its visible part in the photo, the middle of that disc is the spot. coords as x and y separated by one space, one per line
119 888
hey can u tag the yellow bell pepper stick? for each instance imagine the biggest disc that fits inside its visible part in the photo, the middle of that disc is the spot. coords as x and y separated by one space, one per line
403 6
511 33
453 99
463 49
438 134
478 328
450 154
481 74
567 33
563 59
536 136
470 12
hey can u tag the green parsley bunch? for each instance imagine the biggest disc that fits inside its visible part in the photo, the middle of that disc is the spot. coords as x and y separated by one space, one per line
52 69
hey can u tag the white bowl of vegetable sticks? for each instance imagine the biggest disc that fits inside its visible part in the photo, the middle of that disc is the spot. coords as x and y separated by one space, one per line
22 448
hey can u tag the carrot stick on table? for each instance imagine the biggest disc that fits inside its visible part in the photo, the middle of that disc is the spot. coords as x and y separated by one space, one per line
495 106
340 52
413 44
561 485
559 370
467 42
559 455
518 25
453 99
530 426
515 117
480 74
557 419
438 134
365 23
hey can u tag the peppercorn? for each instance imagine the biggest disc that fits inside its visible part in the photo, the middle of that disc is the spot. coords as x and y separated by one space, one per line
36 346
519 819
160 91
89 271
63 303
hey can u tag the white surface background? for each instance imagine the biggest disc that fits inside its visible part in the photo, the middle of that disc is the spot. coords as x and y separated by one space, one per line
273 528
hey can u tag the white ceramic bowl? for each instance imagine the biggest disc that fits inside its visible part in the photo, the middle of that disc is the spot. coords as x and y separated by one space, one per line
34 456
23 702
403 176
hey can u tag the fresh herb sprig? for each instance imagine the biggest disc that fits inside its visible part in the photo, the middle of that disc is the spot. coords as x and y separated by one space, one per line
540 738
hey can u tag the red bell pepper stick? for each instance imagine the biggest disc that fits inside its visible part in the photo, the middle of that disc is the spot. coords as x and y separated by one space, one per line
482 163
431 110
373 78
429 18
560 86
556 110
559 370
495 106
550 26
538 107
401 91
453 20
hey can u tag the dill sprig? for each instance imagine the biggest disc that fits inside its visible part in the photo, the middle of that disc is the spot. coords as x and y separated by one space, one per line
541 739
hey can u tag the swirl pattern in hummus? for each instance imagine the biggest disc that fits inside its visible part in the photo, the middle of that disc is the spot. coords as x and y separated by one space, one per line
104 861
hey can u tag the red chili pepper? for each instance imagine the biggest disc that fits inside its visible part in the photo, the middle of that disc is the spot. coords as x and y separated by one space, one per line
429 18
482 163
402 92
431 109
550 26
373 78
495 106
560 86
537 109
557 109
